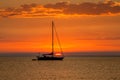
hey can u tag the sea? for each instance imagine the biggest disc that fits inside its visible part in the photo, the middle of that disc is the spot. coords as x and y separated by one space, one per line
71 68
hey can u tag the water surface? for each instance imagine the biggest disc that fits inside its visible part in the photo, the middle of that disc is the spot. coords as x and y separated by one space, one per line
71 68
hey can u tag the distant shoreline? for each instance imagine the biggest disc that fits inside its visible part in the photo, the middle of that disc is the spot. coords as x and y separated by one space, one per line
67 54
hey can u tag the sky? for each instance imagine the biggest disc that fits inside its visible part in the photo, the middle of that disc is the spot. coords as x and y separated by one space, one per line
82 25
16 3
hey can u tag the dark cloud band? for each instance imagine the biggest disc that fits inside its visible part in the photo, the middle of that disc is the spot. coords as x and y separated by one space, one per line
88 8
65 8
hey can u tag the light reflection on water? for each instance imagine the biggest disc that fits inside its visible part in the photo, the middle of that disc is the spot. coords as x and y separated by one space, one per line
71 68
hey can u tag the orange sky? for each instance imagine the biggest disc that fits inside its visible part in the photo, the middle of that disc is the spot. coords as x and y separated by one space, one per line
81 27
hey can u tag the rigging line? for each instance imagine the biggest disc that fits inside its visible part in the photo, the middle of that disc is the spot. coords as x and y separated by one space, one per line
58 40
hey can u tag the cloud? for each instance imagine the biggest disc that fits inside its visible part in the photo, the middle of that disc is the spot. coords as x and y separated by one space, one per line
87 8
31 10
63 8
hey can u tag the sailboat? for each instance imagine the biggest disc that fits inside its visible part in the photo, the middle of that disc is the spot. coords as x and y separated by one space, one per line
53 55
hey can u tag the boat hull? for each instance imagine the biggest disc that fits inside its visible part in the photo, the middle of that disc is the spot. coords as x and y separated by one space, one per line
50 58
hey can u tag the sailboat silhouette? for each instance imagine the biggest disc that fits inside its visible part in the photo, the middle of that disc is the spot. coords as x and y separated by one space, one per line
53 55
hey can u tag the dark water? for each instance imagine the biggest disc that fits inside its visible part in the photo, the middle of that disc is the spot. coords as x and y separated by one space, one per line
71 68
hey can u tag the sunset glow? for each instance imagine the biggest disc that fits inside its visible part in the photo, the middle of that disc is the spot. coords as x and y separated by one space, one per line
82 26
58 54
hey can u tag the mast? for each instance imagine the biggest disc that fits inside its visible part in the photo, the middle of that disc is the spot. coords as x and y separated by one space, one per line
52 37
